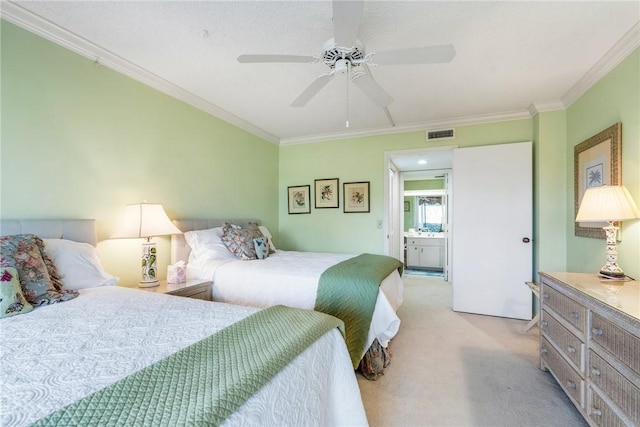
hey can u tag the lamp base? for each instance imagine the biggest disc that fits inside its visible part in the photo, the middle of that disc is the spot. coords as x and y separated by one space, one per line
610 268
148 284
148 265
613 274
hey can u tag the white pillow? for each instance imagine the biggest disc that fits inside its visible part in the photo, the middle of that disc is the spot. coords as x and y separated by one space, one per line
78 264
265 232
207 245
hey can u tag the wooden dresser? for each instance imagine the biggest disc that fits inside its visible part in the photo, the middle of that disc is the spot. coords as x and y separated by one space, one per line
590 341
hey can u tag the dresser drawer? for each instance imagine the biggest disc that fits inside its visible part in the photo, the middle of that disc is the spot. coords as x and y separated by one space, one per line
601 413
622 344
569 344
612 383
566 375
571 311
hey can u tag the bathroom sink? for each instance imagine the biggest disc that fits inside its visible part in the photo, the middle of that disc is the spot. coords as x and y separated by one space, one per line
425 234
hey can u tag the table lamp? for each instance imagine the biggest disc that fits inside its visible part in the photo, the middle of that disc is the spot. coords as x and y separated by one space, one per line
146 220
608 204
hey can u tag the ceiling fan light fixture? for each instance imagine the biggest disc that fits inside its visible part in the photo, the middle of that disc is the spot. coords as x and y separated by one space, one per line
331 53
342 66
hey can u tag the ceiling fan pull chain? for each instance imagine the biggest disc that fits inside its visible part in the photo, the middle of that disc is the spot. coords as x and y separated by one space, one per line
348 67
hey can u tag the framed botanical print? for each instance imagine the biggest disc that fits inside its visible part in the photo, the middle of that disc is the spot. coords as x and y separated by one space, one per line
356 197
596 162
327 193
299 199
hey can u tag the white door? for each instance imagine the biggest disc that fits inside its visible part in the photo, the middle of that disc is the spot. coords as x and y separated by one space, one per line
491 238
447 227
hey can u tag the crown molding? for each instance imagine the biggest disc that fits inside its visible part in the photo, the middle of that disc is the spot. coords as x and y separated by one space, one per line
422 126
33 23
541 107
623 48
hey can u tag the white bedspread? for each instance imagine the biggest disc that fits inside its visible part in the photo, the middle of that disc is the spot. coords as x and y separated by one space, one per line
291 278
57 354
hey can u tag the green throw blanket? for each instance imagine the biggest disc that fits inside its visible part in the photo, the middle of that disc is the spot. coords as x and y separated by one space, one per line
207 381
348 291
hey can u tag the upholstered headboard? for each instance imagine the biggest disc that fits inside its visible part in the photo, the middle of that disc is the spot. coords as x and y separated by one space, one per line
80 230
180 250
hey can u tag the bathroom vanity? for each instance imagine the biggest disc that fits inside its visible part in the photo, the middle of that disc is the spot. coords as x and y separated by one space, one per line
425 251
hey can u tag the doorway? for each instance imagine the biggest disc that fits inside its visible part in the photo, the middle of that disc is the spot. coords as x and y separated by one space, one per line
415 165
426 230
506 185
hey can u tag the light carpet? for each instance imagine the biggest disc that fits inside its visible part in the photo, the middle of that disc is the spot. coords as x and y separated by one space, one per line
460 369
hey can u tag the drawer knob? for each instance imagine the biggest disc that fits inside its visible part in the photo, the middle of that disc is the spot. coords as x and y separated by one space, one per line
574 315
545 296
543 350
597 412
545 323
597 331
571 349
571 385
595 372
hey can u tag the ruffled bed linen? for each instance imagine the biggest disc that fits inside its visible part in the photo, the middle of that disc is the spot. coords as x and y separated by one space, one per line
58 354
291 278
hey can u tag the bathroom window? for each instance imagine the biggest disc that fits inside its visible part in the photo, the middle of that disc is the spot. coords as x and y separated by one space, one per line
429 213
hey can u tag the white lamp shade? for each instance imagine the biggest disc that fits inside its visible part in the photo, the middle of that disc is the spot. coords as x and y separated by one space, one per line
145 220
607 203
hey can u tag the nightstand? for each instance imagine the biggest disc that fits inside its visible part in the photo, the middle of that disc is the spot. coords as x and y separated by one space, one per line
197 289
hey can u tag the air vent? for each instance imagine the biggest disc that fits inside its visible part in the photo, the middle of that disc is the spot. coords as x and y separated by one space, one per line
441 134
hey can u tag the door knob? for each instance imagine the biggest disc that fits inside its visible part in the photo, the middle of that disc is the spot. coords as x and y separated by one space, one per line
526 239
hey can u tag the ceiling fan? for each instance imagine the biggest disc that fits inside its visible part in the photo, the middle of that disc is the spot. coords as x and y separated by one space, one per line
345 54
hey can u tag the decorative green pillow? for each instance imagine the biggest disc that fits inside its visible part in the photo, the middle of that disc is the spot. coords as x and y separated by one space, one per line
12 301
24 253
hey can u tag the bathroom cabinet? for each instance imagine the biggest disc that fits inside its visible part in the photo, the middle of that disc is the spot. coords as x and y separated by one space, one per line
425 252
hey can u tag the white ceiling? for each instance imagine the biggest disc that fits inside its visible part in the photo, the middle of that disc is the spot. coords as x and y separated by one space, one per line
510 57
421 164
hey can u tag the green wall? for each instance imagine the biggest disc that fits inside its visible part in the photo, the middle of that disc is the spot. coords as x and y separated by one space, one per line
81 141
424 184
549 158
615 98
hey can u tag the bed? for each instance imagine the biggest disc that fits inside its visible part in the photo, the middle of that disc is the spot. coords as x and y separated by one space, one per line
105 346
284 277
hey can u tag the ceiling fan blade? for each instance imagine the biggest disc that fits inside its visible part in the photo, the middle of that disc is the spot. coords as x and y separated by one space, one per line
275 58
388 114
419 55
346 21
366 84
312 90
